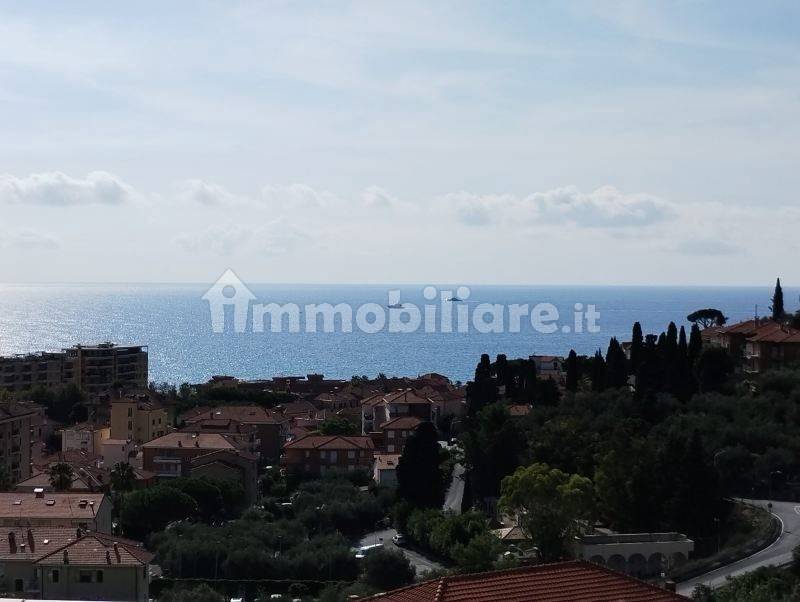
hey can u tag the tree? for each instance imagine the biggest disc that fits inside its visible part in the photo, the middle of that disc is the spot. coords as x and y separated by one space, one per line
637 343
778 312
616 366
478 554
695 345
708 317
419 479
201 593
713 368
483 390
493 444
337 426
548 504
61 476
149 510
123 478
573 369
387 569
598 372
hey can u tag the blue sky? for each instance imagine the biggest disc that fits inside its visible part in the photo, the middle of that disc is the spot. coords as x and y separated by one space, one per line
517 142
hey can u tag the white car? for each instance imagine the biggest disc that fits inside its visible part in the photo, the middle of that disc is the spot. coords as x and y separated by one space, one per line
399 540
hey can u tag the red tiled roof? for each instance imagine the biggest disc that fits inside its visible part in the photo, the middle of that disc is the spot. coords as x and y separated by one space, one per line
402 422
94 549
246 414
330 442
575 581
400 396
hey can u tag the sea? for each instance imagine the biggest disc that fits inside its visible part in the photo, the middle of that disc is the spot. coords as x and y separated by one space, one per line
175 322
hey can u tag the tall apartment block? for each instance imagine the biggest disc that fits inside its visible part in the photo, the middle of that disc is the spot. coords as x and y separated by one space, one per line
16 422
92 368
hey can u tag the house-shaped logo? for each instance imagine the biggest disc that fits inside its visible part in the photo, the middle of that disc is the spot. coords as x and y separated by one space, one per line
229 290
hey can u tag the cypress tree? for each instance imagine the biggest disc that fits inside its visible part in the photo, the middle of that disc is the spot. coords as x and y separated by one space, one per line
778 312
637 343
573 368
695 344
616 365
598 372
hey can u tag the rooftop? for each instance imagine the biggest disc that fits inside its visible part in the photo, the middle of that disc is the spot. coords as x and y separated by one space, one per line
83 505
330 442
575 581
402 422
95 549
182 439
249 414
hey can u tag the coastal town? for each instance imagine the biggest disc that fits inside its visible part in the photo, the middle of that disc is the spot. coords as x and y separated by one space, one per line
302 487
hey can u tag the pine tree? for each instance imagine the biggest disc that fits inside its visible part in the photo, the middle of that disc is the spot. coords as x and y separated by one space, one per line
777 308
637 343
419 479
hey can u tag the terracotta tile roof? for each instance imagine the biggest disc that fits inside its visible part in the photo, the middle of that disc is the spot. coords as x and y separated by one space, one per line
775 334
42 479
94 549
246 414
178 440
330 442
519 409
402 423
23 505
405 396
31 544
575 581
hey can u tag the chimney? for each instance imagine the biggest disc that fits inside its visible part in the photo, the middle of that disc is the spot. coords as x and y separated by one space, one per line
66 557
108 556
116 552
197 443
179 443
39 492
12 542
31 541
79 533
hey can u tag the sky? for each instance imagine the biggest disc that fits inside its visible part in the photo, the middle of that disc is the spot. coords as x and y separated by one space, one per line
400 142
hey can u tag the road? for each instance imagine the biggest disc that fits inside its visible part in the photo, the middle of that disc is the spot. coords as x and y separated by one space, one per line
455 493
417 560
779 553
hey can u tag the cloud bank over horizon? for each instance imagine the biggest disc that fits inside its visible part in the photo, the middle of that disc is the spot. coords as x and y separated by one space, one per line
365 142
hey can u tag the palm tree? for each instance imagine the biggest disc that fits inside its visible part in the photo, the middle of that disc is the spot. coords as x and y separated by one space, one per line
61 476
122 477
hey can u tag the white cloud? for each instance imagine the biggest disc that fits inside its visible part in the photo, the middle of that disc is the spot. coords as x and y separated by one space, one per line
377 198
59 189
204 193
605 207
708 246
298 195
27 239
272 238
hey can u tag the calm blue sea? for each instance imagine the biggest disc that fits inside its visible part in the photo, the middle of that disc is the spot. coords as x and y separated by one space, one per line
175 323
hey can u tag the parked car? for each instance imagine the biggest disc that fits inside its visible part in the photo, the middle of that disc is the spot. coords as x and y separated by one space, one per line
364 551
399 540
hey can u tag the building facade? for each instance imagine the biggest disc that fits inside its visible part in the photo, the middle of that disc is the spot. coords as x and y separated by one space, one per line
91 368
17 423
137 416
318 454
85 436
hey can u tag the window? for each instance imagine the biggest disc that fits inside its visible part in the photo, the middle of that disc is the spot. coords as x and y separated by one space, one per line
85 577
130 412
54 576
99 577
334 456
390 434
130 425
351 454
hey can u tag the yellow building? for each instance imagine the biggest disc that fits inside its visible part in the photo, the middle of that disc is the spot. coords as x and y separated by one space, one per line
138 416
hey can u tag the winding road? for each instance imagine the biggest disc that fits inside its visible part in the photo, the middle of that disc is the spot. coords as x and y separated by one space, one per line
778 553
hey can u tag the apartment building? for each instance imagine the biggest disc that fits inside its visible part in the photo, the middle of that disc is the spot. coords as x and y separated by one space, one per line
397 431
85 436
254 428
213 455
91 368
17 421
382 408
50 509
760 344
317 454
137 416
24 372
71 564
